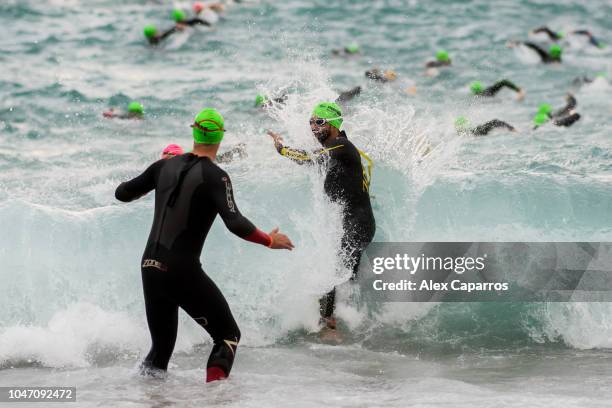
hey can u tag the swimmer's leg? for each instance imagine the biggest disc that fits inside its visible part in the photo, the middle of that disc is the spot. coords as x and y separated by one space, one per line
162 318
204 302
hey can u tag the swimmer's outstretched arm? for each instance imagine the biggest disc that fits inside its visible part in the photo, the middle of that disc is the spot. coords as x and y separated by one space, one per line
166 33
195 21
485 128
543 54
297 155
139 186
551 34
221 193
495 88
568 120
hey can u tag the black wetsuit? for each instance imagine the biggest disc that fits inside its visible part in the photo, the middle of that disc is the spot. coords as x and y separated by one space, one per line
544 56
570 104
376 75
495 88
568 120
346 182
189 193
485 128
195 21
437 64
551 34
348 95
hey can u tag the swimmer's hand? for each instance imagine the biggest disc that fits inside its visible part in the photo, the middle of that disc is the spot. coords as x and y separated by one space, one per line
109 113
280 241
520 95
181 26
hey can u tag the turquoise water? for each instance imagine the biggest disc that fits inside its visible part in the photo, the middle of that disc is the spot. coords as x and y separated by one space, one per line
71 309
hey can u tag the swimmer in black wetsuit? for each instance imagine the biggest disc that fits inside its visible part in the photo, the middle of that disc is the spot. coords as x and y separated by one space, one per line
349 95
346 182
552 56
190 190
477 89
462 126
375 74
554 36
442 60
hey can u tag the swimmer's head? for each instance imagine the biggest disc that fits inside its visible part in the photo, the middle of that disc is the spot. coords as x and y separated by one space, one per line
555 51
171 150
178 15
198 7
325 116
545 108
476 87
461 124
260 100
136 108
442 56
208 127
150 31
540 119
352 48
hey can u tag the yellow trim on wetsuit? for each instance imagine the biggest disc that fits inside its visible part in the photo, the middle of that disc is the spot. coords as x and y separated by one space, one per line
367 176
294 154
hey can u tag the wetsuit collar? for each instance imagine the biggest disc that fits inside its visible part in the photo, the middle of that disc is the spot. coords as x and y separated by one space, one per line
342 134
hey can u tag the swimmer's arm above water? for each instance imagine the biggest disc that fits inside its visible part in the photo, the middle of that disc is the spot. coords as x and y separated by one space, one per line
297 155
195 21
139 186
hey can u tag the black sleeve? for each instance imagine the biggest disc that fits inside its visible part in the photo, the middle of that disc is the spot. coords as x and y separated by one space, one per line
167 33
570 104
223 198
141 185
485 128
568 120
551 34
297 155
495 88
195 21
543 54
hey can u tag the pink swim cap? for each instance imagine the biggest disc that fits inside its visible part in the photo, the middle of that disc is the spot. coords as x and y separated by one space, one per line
198 7
172 150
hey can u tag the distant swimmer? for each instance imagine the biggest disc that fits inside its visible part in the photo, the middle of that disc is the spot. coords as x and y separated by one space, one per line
347 182
376 74
462 125
235 152
349 50
592 40
208 12
553 35
478 90
552 56
263 101
442 60
135 110
171 150
584 80
190 190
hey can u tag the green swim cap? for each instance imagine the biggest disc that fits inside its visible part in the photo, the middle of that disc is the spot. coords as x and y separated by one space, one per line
540 119
476 87
208 127
545 108
260 100
178 15
442 56
461 123
601 75
352 48
329 110
555 51
135 107
150 31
